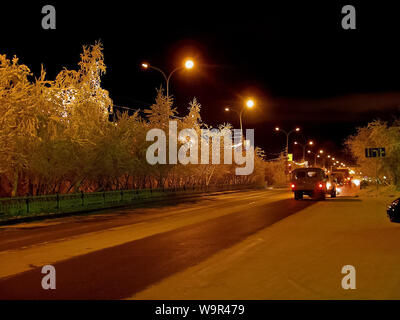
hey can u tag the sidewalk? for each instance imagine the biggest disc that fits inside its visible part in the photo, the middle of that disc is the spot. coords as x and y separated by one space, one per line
301 257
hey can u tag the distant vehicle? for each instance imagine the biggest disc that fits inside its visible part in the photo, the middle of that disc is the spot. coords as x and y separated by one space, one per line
312 182
342 176
393 211
339 178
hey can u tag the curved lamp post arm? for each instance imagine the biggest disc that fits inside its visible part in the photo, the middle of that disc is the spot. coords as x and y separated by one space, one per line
239 114
287 139
315 157
159 70
281 130
240 118
169 77
291 131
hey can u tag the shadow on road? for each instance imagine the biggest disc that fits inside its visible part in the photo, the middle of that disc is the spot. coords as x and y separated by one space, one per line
121 271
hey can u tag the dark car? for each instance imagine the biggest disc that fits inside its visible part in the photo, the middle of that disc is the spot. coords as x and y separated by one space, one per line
393 211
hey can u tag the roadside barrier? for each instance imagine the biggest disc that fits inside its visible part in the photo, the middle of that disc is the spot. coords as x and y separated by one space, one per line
30 206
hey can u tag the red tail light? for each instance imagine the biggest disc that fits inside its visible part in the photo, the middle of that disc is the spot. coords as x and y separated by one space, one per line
293 186
320 185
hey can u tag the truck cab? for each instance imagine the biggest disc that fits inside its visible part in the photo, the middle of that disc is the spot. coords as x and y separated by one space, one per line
312 182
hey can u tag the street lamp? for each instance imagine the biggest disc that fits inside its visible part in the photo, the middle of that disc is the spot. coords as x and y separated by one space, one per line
323 161
188 64
249 103
287 137
304 146
316 155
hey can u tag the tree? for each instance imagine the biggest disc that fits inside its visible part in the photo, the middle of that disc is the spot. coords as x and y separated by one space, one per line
378 134
56 136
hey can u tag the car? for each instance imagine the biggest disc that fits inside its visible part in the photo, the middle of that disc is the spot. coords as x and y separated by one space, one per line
393 211
312 182
343 176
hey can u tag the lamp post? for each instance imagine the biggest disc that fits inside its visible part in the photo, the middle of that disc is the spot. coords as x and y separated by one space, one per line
287 147
316 155
334 163
304 146
287 137
189 64
248 104
329 166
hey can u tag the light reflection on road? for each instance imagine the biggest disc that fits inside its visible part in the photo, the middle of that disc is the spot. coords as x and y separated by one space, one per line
348 191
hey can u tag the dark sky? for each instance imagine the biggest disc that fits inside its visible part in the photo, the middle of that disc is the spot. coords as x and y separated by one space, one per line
295 60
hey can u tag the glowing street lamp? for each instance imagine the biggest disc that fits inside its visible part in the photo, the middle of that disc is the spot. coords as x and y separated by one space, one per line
249 103
316 155
188 64
304 146
297 129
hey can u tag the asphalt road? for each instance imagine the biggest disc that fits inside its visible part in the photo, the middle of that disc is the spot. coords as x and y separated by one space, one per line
122 270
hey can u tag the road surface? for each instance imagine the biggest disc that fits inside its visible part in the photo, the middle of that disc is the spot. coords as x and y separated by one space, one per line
157 242
177 250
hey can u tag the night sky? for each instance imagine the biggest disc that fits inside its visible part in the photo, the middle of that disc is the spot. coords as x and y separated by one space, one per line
295 60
